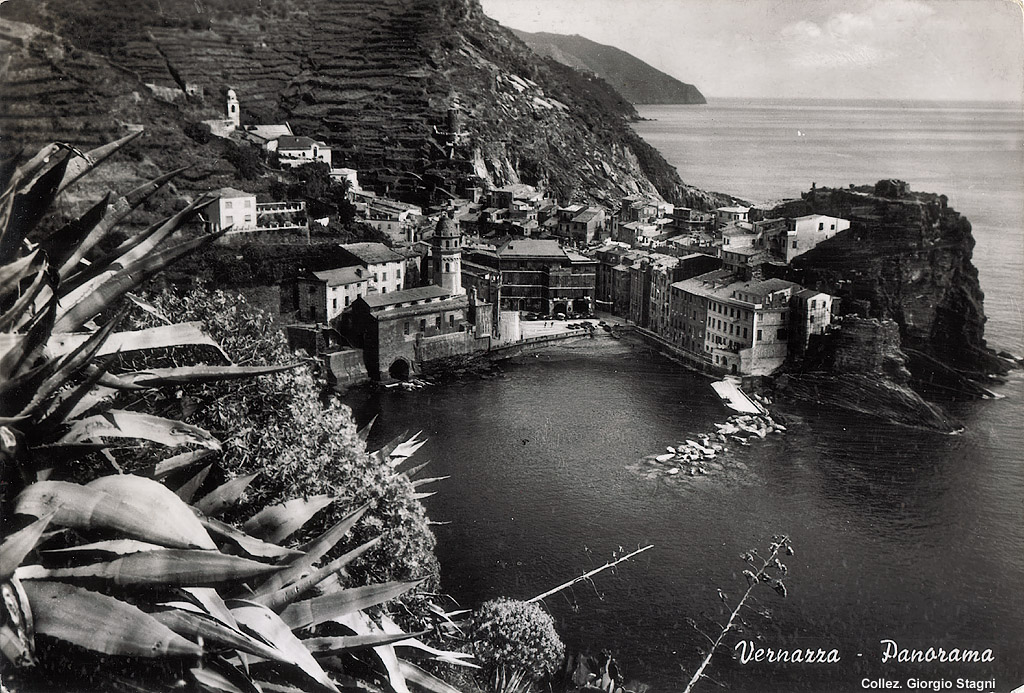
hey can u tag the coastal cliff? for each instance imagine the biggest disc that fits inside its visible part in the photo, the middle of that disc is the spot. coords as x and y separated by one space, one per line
372 79
907 257
630 76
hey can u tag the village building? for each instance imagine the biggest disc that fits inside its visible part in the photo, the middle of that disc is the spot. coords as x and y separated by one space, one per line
398 331
323 296
579 225
806 232
295 151
399 221
532 275
266 136
383 266
241 216
727 215
742 327
811 316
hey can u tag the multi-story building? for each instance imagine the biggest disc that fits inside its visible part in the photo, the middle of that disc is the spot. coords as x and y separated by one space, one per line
323 296
383 266
233 209
532 275
580 225
741 327
727 215
804 233
811 315
295 151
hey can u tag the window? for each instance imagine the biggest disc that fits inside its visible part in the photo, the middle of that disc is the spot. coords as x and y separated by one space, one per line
229 220
782 333
759 335
811 319
423 325
227 204
821 226
794 245
248 218
312 291
831 227
384 276
451 321
447 267
744 333
407 327
248 203
437 322
812 304
346 301
334 304
383 289
398 274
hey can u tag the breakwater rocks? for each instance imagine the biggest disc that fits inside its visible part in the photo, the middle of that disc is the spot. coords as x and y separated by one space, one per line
709 454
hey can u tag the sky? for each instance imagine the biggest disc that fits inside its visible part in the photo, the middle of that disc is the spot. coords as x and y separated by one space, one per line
867 49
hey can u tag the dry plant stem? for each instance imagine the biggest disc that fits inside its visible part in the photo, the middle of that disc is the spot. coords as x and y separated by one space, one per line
732 617
593 572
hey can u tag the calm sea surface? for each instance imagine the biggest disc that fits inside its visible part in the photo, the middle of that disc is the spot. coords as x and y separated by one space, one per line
899 534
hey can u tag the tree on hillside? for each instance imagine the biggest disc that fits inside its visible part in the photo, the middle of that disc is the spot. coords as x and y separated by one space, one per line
300 446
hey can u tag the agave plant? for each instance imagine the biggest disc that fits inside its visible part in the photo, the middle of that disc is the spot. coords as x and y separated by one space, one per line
121 567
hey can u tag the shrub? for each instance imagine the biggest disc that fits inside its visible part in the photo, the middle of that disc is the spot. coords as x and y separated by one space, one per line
516 636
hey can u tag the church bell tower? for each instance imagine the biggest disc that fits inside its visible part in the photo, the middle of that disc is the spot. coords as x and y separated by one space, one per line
446 256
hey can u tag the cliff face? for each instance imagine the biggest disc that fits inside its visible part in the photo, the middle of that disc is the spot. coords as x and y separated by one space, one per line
371 77
906 258
630 76
862 368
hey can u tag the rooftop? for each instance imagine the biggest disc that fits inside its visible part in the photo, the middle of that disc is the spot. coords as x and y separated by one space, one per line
737 210
295 142
520 247
419 293
587 215
341 276
229 193
372 253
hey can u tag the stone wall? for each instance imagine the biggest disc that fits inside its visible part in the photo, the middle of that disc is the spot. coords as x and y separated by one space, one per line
346 367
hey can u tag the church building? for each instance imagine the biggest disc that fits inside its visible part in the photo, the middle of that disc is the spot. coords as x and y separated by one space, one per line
399 330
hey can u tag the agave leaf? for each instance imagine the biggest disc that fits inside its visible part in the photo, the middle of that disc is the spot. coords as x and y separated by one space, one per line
20 350
180 334
288 594
421 496
412 472
189 488
13 273
19 544
60 244
168 567
413 673
29 207
117 547
361 624
82 165
278 522
383 454
428 480
344 643
125 280
250 545
139 508
195 625
364 432
172 464
148 307
221 677
101 623
313 552
113 216
17 632
200 374
458 658
224 496
269 626
406 449
314 611
18 313
81 398
117 423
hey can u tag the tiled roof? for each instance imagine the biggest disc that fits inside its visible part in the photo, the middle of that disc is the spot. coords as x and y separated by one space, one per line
295 142
228 193
418 293
372 253
341 276
520 247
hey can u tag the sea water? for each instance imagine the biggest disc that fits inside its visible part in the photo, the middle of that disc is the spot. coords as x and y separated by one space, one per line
899 534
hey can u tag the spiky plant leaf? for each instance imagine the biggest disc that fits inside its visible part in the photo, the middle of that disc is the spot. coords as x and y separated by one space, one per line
416 675
312 552
346 643
146 511
181 375
278 522
164 336
101 623
288 594
252 546
172 464
187 490
224 496
328 607
117 423
269 626
18 545
196 625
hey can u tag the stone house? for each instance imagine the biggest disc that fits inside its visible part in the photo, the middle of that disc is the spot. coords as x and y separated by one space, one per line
323 296
297 151
383 266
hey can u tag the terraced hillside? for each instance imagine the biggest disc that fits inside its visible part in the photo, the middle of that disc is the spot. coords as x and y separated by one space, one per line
372 77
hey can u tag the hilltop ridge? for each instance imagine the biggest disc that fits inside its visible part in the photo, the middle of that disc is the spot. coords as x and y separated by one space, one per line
373 79
636 80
